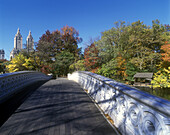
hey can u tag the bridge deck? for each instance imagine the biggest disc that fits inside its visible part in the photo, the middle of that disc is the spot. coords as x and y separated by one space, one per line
59 107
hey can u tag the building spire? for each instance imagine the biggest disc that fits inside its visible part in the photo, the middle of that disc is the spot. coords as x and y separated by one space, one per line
18 31
30 42
29 35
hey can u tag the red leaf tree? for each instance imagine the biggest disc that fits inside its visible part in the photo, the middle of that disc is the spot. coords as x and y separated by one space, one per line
92 59
66 39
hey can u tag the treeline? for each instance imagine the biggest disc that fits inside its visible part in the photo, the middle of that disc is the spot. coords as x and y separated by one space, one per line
118 54
53 54
126 49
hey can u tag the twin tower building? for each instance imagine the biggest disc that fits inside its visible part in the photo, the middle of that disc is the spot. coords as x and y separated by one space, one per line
18 46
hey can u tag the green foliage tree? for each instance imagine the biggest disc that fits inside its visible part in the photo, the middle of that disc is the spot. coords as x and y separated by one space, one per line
3 64
113 42
109 69
137 43
62 62
131 70
159 35
78 66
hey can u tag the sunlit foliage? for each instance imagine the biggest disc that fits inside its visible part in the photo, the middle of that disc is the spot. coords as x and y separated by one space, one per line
162 79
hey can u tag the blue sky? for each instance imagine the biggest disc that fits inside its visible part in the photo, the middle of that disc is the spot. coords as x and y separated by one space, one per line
89 17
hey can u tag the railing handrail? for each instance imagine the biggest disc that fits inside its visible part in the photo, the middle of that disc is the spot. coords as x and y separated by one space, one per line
154 104
12 83
17 73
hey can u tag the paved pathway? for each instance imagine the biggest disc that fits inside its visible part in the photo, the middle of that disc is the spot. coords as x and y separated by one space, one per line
58 107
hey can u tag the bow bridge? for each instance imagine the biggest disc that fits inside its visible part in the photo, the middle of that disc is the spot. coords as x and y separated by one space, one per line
83 104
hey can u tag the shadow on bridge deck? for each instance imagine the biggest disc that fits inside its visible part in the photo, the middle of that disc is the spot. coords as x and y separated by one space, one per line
58 107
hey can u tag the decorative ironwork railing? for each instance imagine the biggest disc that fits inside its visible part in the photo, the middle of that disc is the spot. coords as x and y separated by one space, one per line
12 83
134 112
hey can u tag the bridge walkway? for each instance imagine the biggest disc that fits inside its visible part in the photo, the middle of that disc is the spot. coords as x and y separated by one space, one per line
58 107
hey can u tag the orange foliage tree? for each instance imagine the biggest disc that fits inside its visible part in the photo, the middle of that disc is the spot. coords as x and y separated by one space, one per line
70 38
91 58
46 69
121 67
165 56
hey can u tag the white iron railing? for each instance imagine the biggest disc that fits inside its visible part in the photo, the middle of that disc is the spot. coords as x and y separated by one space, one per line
12 83
134 112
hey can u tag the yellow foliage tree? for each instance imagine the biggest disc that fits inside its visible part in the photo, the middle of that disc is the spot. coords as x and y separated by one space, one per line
16 64
161 79
29 64
20 63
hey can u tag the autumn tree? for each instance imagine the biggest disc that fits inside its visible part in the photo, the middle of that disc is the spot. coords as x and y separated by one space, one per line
115 69
139 45
53 45
57 41
37 60
162 77
70 38
91 57
121 67
165 56
16 64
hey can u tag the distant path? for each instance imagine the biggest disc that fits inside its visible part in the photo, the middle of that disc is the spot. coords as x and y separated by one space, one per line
59 107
